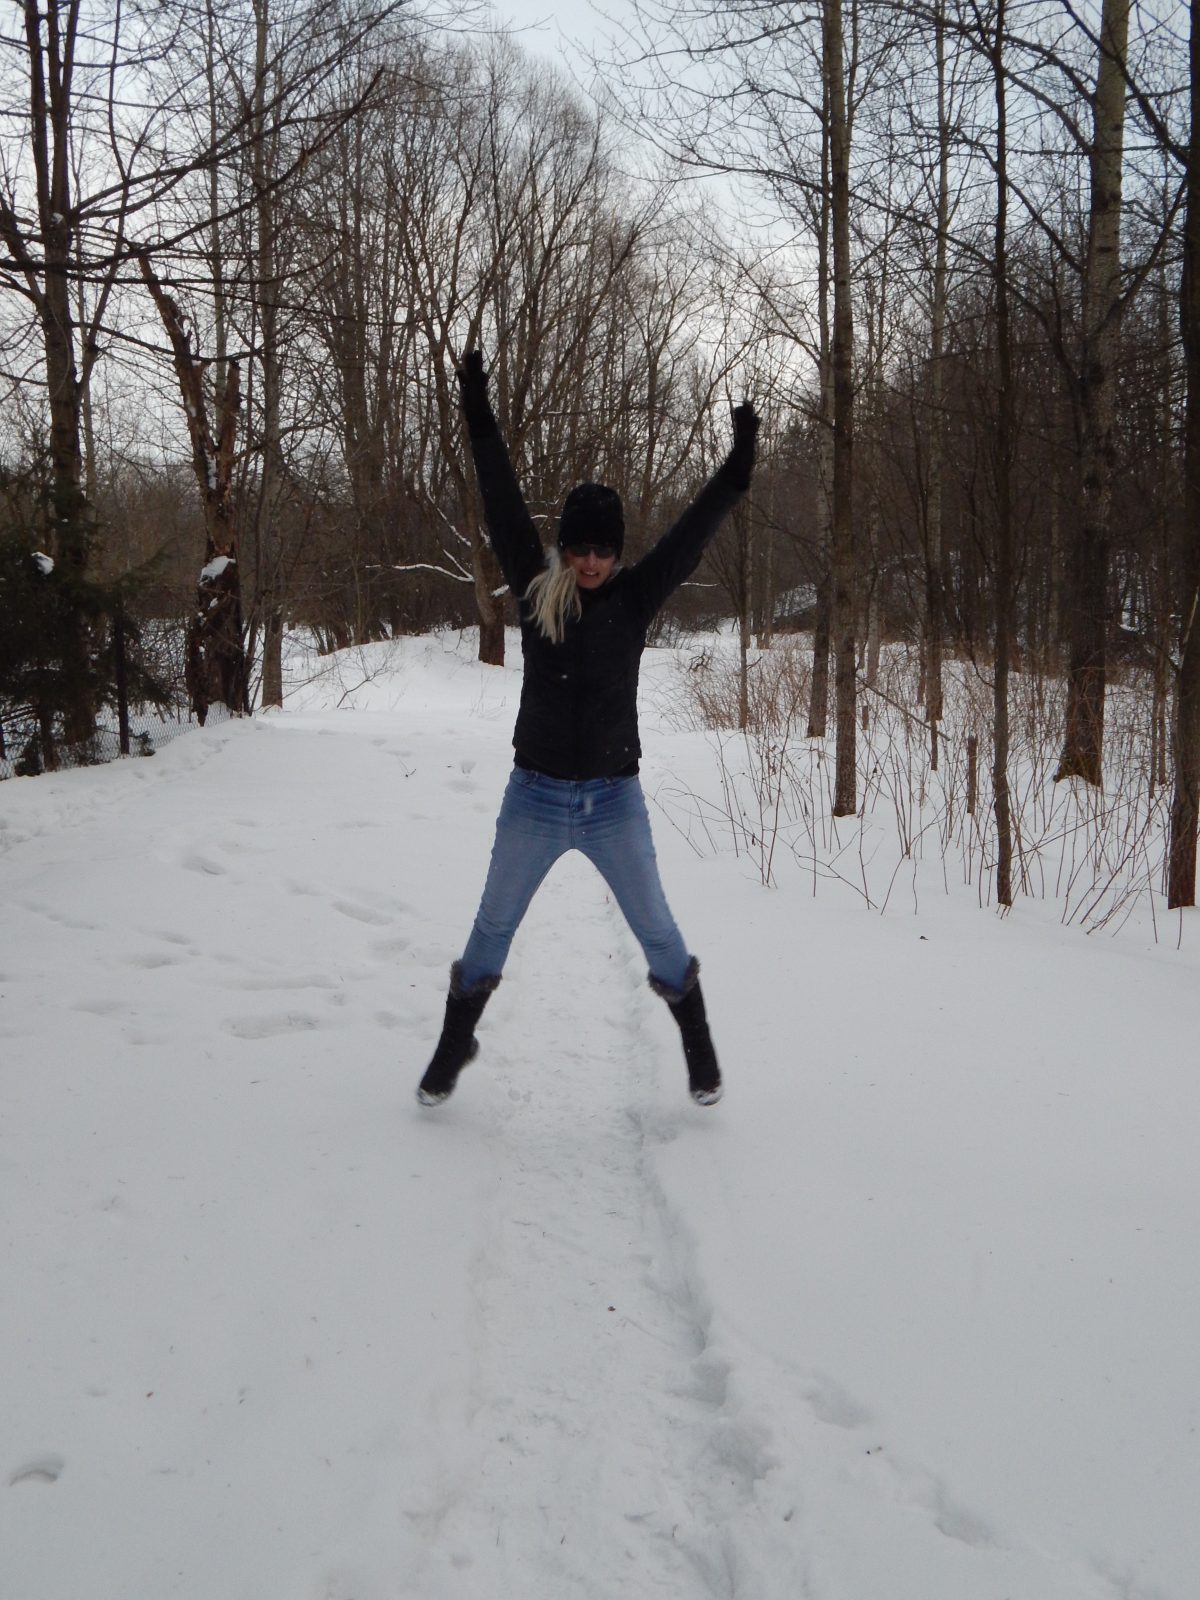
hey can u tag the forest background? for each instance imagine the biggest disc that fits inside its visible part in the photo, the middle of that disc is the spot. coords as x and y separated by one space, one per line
950 248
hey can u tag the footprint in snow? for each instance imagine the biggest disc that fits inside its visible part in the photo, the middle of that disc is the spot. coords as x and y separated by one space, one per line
193 861
708 1380
153 960
432 958
359 913
99 1008
343 1585
655 1124
271 983
271 1027
44 1469
830 1403
390 1020
75 924
925 1493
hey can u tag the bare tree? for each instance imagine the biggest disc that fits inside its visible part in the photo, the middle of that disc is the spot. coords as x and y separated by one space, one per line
845 797
519 236
283 82
1003 478
216 655
818 705
1083 744
1185 805
935 442
96 172
45 248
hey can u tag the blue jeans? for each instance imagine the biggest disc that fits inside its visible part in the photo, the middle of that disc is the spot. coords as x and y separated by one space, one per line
540 819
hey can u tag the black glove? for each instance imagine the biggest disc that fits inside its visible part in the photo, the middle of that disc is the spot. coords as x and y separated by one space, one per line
473 392
739 463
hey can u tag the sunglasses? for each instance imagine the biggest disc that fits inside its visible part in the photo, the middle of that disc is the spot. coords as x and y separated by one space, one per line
602 552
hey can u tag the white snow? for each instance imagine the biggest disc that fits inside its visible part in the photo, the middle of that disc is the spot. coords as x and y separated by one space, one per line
43 562
912 1315
214 569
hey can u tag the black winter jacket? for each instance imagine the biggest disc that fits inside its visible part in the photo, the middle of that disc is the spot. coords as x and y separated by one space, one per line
578 713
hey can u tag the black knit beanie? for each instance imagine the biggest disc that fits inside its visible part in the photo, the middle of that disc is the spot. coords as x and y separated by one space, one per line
592 514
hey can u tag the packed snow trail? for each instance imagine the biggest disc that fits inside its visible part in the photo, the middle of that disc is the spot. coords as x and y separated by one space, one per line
616 1466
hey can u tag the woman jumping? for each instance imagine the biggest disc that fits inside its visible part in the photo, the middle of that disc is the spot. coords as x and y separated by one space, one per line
574 785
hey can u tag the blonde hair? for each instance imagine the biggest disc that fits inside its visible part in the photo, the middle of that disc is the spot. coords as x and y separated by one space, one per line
553 597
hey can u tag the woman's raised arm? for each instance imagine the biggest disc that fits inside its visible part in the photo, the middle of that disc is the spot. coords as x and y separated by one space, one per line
677 554
513 535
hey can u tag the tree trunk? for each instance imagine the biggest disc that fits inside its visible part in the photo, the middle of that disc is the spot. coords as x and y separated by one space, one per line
1185 805
937 440
1083 743
766 608
823 626
1159 575
488 579
845 800
267 297
745 547
215 667
874 644
51 66
1004 446
818 703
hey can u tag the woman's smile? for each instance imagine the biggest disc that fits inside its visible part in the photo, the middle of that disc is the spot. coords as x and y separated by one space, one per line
591 570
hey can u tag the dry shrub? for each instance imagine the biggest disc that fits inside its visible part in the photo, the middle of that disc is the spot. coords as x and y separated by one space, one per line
778 682
1098 855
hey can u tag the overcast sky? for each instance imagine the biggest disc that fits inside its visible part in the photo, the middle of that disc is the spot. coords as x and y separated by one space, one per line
552 27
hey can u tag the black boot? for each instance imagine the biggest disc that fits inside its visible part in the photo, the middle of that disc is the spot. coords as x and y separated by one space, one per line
458 1043
687 1007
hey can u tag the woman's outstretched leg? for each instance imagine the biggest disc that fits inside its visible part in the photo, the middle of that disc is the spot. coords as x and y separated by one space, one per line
458 1044
687 1007
531 834
619 842
526 847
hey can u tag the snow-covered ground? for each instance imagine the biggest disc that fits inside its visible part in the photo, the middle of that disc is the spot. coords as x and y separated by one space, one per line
914 1314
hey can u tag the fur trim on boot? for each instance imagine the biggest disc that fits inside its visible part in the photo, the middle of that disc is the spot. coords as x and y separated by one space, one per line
458 1043
687 1007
